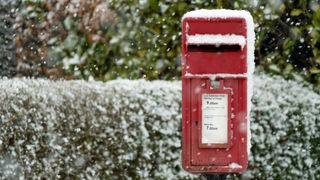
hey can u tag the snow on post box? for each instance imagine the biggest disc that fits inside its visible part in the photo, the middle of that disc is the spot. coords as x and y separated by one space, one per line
217 68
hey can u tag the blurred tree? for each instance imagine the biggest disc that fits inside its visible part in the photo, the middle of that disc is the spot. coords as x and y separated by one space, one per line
63 38
8 11
287 35
141 39
288 39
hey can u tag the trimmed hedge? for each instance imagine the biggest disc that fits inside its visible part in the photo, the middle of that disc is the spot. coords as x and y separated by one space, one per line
285 130
131 130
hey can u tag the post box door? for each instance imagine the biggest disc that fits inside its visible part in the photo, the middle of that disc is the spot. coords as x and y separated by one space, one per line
224 151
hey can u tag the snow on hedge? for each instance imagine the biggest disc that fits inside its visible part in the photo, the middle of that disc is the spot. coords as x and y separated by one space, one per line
131 130
285 130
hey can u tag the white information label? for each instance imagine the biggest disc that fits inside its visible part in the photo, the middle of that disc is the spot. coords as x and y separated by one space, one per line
214 118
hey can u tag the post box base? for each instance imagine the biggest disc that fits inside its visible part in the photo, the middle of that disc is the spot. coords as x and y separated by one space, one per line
216 176
231 168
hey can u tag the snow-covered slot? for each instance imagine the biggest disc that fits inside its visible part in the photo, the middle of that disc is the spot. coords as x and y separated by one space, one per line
214 76
216 39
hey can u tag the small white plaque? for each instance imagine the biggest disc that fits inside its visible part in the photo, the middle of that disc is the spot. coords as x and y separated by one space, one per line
214 119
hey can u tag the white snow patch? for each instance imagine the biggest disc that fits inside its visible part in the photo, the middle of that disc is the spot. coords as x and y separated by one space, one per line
214 76
223 14
74 60
234 166
216 39
216 13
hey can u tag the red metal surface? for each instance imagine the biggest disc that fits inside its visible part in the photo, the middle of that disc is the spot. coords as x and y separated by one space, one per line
214 158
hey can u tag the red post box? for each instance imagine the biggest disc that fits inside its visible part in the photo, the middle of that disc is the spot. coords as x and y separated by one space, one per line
217 67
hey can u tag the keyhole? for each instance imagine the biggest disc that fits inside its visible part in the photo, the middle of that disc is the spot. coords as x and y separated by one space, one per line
196 123
214 84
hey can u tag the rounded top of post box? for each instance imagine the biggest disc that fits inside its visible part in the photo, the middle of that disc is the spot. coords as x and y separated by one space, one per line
224 14
218 13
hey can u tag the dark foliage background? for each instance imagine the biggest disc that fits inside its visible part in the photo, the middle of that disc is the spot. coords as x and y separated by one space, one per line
141 39
8 10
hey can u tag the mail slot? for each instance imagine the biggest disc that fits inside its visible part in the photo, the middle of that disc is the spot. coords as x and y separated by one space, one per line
217 68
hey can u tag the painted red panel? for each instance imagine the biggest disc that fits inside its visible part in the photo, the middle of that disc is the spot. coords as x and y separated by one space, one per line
216 26
213 158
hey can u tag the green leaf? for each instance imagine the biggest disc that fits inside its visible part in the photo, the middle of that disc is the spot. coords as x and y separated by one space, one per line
274 68
288 69
314 70
68 23
316 18
297 77
296 12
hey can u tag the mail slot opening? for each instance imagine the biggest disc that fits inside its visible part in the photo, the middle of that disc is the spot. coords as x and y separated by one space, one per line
214 48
